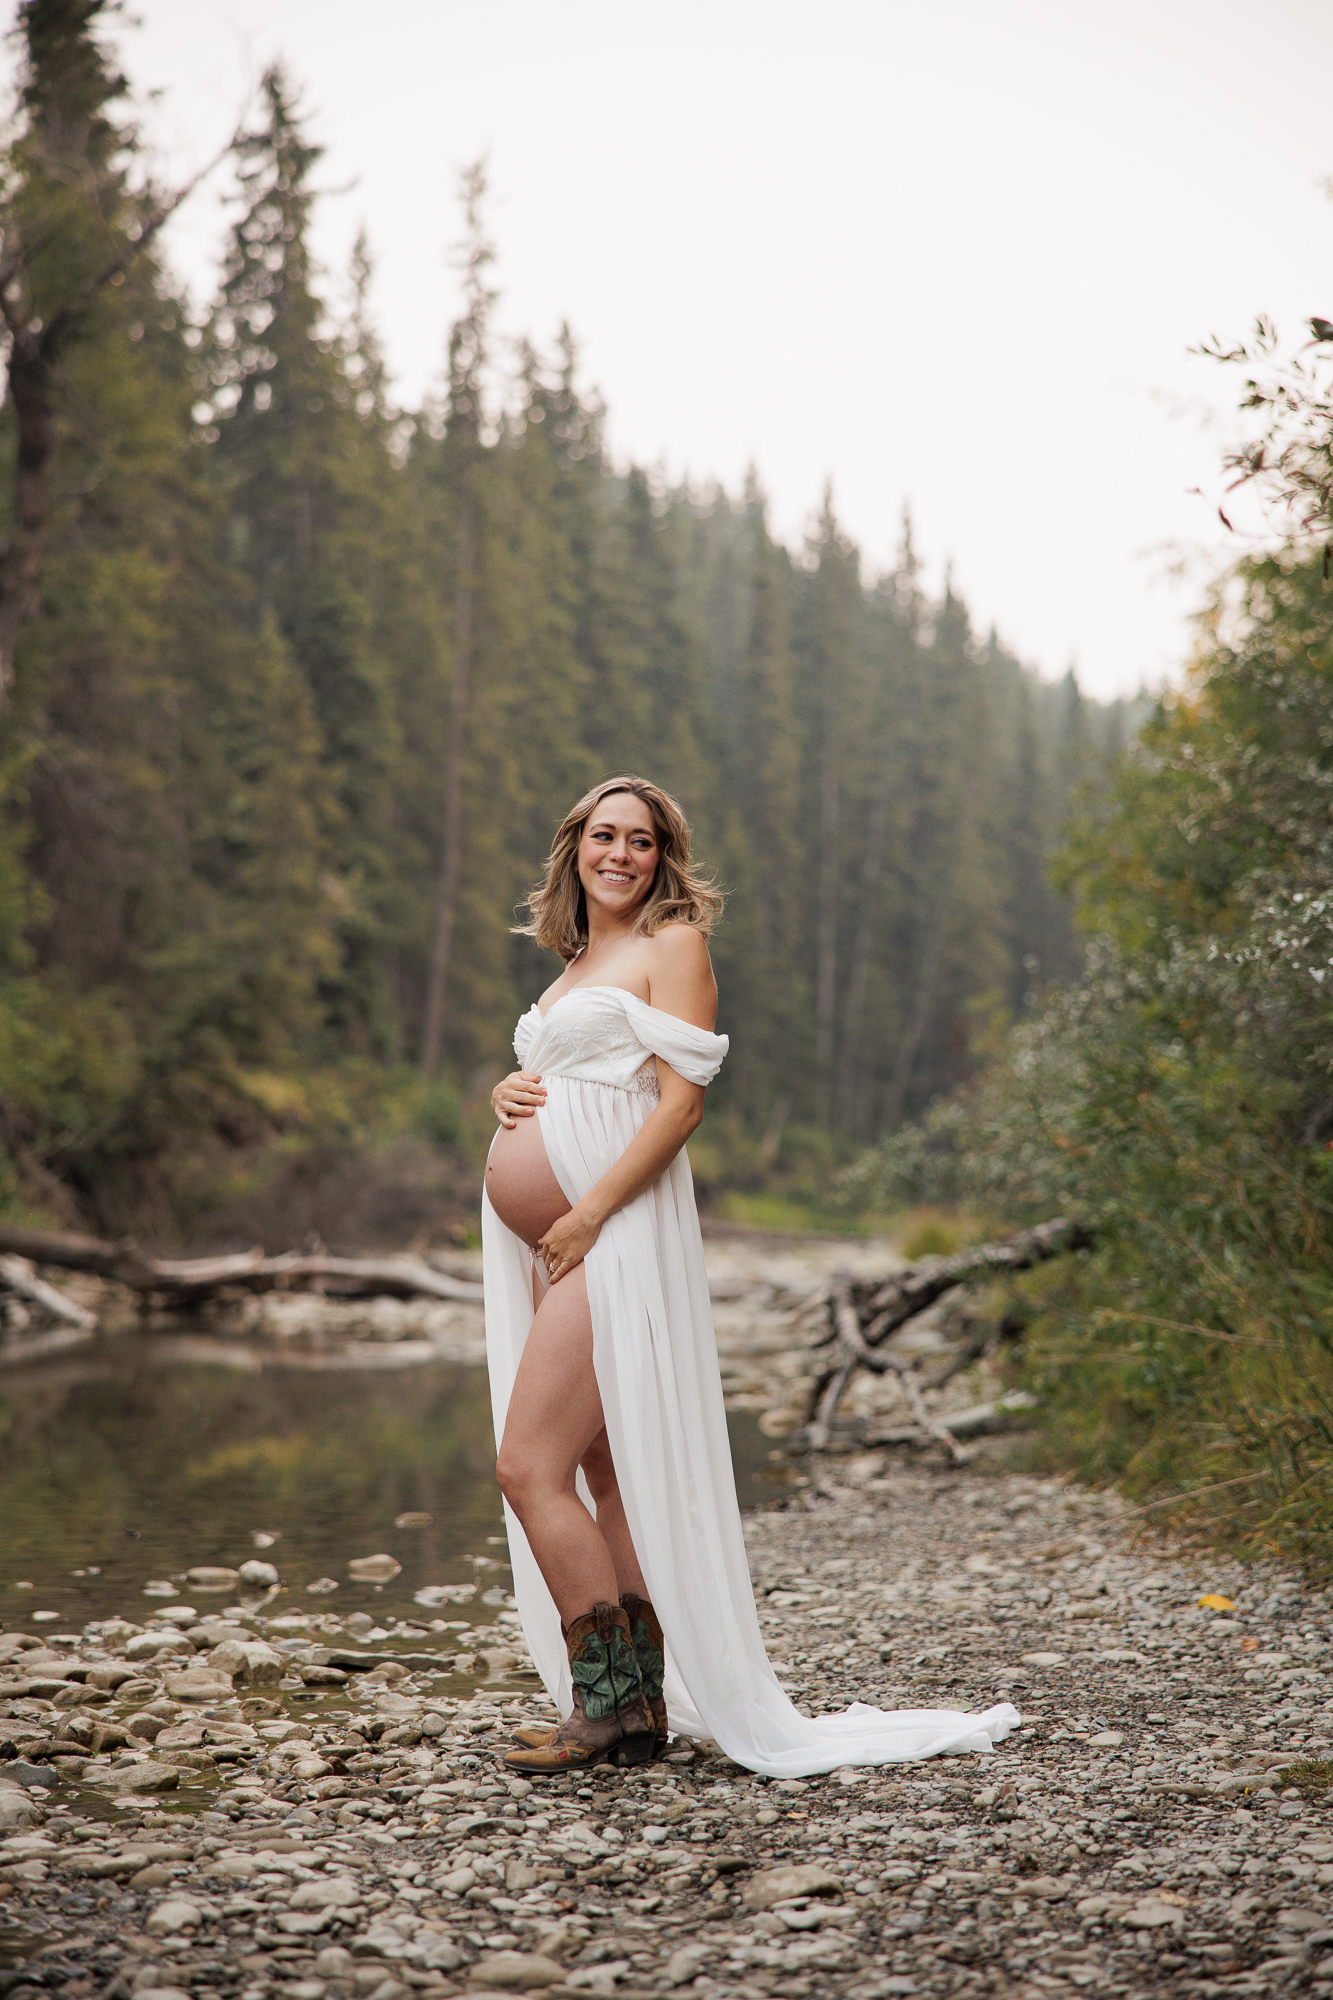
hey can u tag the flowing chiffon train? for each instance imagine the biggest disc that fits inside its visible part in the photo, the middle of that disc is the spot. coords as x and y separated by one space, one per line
655 1359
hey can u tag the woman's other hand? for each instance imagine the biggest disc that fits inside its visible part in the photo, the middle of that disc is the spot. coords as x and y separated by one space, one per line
518 1096
566 1244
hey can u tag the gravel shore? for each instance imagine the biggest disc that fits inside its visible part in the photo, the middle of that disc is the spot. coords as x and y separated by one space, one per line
305 1830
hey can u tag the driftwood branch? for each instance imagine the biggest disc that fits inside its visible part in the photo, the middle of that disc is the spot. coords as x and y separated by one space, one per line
187 1281
890 1304
981 1336
931 1425
863 1314
19 1280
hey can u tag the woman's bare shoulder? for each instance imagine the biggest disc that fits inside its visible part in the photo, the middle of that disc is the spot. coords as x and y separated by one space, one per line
681 946
680 974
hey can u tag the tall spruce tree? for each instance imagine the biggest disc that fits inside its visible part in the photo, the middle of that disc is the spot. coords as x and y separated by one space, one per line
893 640
71 226
766 762
174 924
314 514
833 680
946 956
460 472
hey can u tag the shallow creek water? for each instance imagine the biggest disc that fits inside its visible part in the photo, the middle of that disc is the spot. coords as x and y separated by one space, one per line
122 1465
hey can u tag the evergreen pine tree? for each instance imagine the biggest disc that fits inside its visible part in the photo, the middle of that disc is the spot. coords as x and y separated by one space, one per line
175 896
313 521
461 474
832 701
893 642
761 963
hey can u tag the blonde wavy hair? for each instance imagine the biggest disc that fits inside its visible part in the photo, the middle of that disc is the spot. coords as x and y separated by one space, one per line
557 907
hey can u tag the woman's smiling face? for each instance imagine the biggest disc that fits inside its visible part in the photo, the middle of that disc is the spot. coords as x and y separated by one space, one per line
618 855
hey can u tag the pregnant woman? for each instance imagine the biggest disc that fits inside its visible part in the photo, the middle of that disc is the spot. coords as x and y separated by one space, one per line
629 1561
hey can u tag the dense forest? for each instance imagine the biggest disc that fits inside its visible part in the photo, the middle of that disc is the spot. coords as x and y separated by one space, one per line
297 683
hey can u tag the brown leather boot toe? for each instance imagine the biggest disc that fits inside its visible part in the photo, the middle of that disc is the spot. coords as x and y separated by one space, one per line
611 1722
536 1735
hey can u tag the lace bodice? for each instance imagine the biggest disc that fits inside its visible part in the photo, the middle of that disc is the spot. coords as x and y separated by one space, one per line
644 1082
602 1034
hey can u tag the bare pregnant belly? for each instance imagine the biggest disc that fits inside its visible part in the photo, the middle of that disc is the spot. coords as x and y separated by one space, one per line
523 1191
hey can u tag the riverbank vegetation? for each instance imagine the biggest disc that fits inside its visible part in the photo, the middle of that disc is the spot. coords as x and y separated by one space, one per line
1178 1098
296 684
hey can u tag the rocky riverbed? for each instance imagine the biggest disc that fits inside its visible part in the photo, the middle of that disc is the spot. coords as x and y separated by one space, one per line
255 1811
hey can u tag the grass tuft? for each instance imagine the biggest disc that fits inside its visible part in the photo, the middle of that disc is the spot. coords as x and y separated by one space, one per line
1310 1776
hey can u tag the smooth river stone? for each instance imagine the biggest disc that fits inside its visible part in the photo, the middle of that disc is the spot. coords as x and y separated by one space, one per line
781 1885
515 1971
176 1914
138 1778
334 1892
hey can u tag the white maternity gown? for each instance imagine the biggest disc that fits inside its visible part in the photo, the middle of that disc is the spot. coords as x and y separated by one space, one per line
656 1363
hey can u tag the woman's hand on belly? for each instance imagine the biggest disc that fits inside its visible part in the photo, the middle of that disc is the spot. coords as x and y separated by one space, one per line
567 1242
520 1095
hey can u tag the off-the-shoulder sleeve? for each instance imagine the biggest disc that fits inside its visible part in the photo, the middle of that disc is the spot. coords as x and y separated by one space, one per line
528 1025
692 1052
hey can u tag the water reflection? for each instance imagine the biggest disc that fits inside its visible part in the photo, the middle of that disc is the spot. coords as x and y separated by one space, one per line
120 1465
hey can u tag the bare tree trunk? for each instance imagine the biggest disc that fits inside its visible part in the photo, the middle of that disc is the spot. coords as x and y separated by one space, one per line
772 1139
872 868
451 849
827 931
914 1032
954 818
31 363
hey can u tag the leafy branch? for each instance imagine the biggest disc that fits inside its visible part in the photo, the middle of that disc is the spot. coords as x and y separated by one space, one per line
1289 464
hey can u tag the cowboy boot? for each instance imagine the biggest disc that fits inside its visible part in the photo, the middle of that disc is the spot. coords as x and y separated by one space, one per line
611 1722
650 1652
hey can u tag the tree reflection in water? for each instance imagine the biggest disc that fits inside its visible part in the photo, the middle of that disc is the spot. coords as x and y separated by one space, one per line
126 1463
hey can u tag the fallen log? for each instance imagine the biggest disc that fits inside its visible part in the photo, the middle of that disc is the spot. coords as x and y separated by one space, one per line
20 1281
981 1420
888 1304
985 1419
864 1313
70 1253
190 1280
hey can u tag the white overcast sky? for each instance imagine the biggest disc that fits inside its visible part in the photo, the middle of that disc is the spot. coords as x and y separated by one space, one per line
951 253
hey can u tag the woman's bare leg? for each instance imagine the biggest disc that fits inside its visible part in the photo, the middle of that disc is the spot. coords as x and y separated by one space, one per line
600 1473
554 1418
554 1422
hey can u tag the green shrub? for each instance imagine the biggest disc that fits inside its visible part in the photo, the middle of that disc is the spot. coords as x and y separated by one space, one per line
1179 1101
931 1235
